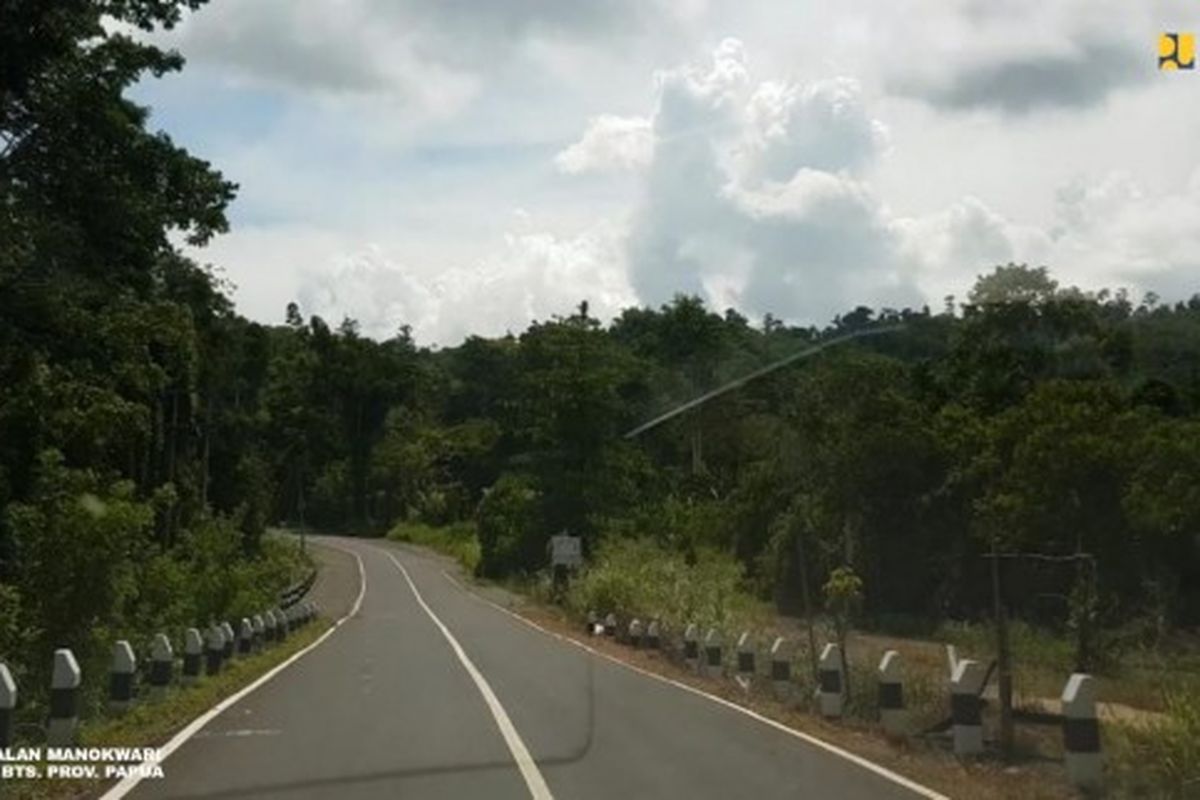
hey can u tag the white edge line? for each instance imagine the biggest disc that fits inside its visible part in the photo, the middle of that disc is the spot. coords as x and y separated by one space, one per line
525 763
907 783
128 783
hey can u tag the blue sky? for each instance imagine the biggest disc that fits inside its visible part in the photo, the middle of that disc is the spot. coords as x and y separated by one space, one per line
464 167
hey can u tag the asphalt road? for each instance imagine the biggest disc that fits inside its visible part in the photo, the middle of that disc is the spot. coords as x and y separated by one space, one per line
430 692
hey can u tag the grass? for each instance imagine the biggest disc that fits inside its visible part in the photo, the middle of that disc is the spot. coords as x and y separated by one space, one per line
1159 759
151 723
459 540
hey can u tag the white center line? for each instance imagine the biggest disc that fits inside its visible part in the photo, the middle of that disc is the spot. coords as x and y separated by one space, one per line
529 771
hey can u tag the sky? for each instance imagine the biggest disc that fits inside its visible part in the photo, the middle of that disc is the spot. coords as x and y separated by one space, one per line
468 167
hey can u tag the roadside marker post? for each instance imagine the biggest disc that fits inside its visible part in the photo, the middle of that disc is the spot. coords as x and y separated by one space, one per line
635 634
891 695
1081 732
246 637
162 664
610 625
829 676
271 633
745 655
193 655
713 652
64 700
691 646
966 709
259 629
653 638
121 677
781 670
229 640
8 705
215 650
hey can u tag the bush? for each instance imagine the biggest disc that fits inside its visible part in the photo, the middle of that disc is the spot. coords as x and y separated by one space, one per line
1159 759
510 538
459 540
639 577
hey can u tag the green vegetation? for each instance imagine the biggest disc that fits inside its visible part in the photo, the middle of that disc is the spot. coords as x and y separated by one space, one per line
1159 759
458 541
641 578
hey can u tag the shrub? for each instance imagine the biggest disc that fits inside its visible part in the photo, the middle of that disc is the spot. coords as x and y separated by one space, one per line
458 540
510 539
1159 759
640 578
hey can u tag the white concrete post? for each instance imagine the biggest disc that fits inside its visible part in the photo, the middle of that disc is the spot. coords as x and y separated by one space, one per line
215 649
64 700
745 655
282 626
829 690
162 664
121 677
891 695
653 637
691 646
966 711
1081 732
230 640
635 633
610 625
8 705
591 623
272 632
781 669
260 628
193 655
713 653
245 637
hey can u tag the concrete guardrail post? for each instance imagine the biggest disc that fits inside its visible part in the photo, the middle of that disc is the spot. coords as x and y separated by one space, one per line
270 633
891 695
691 646
781 669
162 664
260 628
653 637
1081 732
830 693
8 705
635 633
282 628
245 637
193 655
591 623
215 650
745 655
713 653
230 640
121 677
610 625
966 709
64 699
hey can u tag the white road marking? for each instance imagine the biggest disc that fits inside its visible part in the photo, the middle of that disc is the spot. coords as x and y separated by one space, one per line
878 769
127 784
529 770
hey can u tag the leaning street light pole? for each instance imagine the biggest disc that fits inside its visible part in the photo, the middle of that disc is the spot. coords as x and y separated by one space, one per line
758 373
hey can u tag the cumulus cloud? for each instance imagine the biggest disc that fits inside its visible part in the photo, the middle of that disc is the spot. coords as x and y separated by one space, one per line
609 143
534 275
753 194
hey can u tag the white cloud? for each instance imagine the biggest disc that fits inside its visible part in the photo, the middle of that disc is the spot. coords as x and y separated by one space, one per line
609 143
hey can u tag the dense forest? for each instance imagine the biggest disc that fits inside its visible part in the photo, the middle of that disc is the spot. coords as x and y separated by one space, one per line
149 434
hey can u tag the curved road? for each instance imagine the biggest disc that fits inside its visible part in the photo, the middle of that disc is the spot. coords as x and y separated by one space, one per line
429 691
